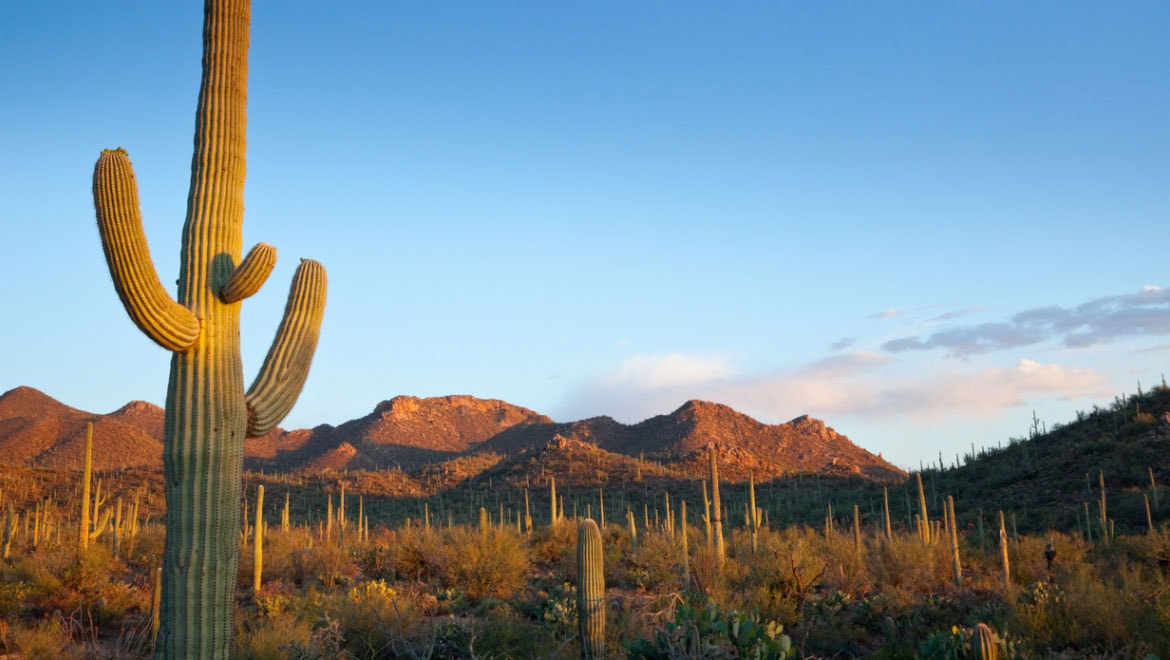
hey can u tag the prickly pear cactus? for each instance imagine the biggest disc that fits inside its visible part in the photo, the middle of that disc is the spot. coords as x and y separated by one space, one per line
208 411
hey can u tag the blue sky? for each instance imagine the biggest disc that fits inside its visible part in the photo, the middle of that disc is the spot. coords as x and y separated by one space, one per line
918 221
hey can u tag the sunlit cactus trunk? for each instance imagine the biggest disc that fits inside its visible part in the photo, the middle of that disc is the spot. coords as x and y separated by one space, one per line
590 590
208 413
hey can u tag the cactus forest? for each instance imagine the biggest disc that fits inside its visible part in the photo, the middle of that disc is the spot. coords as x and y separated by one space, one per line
1055 545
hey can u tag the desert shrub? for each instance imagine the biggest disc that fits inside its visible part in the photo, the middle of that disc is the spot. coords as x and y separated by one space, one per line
372 615
117 599
267 636
553 548
712 632
420 554
502 632
778 579
1091 608
281 550
908 563
1027 556
656 564
486 564
47 639
378 558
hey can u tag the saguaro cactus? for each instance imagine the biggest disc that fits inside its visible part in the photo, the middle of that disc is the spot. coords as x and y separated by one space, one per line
208 412
924 519
717 518
258 543
983 643
590 590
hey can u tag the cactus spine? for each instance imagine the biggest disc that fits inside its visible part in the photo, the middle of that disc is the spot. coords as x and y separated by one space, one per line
208 411
590 590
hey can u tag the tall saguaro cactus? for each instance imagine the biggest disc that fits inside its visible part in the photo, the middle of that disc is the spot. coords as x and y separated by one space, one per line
590 590
208 412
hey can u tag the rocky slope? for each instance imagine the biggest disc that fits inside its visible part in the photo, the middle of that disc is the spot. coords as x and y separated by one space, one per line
410 433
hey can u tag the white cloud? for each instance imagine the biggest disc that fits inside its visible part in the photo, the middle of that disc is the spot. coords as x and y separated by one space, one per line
667 371
856 385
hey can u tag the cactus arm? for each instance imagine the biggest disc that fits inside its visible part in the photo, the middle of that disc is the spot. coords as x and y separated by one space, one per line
250 275
100 526
286 366
151 308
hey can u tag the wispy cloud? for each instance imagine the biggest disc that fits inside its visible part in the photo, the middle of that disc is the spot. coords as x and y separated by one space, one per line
951 316
1098 321
843 343
852 384
885 314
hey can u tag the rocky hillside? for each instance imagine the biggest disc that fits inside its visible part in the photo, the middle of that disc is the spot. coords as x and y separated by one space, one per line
410 433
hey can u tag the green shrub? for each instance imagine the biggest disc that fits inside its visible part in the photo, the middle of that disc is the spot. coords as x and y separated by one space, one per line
711 632
482 565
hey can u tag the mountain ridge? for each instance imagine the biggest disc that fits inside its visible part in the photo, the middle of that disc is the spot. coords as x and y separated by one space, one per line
411 432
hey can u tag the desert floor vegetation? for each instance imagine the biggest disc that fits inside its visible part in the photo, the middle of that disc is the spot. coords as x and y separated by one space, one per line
824 568
463 590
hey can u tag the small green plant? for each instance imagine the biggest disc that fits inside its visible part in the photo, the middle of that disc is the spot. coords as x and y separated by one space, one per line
711 632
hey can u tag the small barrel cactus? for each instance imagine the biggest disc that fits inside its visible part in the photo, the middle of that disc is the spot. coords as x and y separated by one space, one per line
590 590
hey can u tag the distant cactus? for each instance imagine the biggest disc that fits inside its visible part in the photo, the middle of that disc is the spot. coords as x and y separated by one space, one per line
717 506
633 529
258 542
956 562
9 532
886 500
857 544
923 519
590 590
284 514
552 488
753 514
90 529
707 518
1003 553
208 410
527 514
